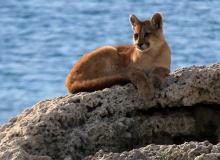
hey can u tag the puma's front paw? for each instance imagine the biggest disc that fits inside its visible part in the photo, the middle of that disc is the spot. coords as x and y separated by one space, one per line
147 94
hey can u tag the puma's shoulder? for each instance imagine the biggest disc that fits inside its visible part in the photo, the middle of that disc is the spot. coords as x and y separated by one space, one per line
106 48
125 49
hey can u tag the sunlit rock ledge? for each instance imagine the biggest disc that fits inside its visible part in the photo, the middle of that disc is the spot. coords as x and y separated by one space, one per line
182 122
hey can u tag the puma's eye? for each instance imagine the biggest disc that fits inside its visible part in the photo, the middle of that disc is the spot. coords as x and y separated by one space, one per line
147 34
135 35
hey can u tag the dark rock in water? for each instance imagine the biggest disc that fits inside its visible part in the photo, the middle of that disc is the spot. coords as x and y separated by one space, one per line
182 122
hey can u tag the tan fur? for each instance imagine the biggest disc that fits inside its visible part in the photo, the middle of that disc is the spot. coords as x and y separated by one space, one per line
110 65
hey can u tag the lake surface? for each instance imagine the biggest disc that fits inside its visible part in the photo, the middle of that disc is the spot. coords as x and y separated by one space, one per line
40 40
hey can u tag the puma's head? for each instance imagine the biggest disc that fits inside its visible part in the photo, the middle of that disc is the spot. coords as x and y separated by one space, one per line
148 33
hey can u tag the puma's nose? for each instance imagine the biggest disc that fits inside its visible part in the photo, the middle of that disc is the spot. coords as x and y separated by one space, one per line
140 45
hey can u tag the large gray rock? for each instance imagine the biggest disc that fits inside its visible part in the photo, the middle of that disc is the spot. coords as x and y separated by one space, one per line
109 123
186 151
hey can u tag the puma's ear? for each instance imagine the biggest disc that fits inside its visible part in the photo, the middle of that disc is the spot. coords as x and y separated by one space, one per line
157 21
133 20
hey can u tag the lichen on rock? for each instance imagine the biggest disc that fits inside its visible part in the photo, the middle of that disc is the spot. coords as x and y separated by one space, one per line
115 124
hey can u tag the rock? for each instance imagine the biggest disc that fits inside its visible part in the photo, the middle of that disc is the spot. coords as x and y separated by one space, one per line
188 150
109 123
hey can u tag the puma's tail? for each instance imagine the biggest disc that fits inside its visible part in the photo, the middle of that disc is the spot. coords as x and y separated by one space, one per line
95 84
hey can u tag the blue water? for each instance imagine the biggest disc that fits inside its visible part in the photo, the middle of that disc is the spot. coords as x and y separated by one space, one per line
41 39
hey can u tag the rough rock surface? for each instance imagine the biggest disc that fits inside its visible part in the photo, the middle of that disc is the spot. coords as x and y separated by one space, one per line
110 123
188 150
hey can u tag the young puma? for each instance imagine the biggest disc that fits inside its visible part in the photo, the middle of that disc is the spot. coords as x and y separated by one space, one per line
144 63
